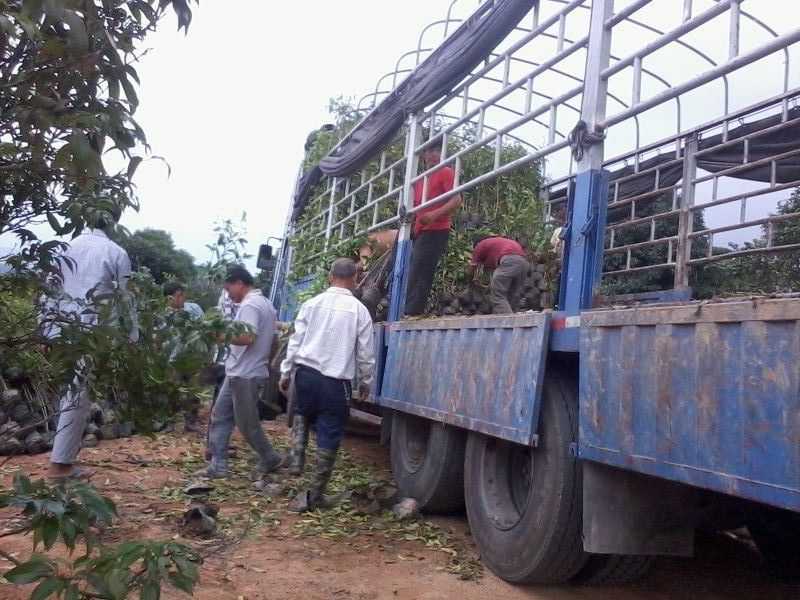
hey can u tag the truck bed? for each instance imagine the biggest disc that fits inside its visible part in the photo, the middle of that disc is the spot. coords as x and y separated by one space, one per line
702 393
482 373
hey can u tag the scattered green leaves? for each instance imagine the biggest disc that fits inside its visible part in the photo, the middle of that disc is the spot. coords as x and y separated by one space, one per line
72 512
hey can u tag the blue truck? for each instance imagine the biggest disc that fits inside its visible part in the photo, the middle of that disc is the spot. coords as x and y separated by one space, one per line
583 441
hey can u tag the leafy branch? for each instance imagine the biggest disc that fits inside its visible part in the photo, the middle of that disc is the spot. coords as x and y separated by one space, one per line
73 513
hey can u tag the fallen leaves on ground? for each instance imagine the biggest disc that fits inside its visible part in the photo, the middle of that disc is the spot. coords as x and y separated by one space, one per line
247 511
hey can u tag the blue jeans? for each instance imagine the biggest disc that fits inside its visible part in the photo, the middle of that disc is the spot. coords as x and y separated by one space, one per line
237 404
324 401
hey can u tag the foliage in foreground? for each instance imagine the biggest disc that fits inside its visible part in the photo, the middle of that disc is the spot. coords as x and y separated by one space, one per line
69 96
145 380
73 514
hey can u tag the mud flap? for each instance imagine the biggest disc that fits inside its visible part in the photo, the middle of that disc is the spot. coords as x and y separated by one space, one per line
386 427
628 513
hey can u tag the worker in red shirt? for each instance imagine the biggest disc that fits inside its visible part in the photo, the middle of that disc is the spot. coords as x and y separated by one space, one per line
431 229
506 258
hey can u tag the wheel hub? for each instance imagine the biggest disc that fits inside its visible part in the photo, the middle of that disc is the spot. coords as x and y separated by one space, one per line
506 481
416 447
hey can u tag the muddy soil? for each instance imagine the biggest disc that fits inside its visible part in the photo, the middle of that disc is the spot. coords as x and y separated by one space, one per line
261 551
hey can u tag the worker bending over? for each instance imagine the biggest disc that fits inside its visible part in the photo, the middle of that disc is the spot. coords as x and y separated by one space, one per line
510 267
332 341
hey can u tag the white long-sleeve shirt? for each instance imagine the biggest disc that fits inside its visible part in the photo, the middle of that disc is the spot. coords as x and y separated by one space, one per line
92 262
333 334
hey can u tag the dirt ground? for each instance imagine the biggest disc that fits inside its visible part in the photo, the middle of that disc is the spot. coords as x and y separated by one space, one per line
260 551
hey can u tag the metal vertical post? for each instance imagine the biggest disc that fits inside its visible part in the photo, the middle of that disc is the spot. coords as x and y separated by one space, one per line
593 109
735 28
687 10
279 260
686 218
282 264
403 245
585 230
329 223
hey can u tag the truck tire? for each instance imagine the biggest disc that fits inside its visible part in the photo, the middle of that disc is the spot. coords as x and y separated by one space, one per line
524 504
613 569
777 535
428 462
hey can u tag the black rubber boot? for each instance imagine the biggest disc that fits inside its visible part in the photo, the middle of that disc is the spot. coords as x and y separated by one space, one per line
299 441
314 497
191 422
326 459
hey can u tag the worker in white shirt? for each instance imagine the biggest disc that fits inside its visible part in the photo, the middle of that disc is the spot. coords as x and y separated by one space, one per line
95 267
332 341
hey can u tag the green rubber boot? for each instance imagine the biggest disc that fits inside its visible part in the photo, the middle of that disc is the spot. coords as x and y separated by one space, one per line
314 497
299 441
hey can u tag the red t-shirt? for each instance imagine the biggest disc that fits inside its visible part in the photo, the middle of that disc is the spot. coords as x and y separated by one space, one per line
488 252
439 182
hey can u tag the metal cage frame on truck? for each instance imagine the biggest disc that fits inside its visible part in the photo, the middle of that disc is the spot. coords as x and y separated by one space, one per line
639 116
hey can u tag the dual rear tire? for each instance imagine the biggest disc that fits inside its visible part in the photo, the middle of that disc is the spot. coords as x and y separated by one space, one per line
524 504
428 462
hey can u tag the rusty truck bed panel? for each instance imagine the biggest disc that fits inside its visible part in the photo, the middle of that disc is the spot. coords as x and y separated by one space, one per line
706 394
480 373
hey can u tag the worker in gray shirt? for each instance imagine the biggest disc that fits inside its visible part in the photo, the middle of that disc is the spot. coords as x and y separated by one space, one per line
245 373
92 262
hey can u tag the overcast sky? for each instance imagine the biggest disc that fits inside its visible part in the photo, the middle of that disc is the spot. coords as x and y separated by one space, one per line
230 105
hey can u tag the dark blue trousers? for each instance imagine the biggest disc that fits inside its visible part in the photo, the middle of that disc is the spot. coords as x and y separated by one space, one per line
324 401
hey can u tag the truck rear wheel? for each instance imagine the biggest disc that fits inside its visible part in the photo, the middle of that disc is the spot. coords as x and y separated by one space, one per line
524 504
613 569
777 535
428 462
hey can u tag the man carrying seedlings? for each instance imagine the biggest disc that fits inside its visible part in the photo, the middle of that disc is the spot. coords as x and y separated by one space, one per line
431 228
506 258
176 299
245 374
93 266
332 341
